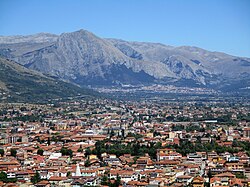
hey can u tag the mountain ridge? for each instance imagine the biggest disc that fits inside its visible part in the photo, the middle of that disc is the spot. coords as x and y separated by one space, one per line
86 59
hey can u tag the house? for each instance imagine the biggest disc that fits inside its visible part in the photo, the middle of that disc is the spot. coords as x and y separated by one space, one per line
215 181
43 183
171 156
197 156
24 175
137 183
225 178
185 179
112 161
167 163
89 172
236 183
56 180
192 169
11 174
162 153
126 175
78 183
198 182
234 166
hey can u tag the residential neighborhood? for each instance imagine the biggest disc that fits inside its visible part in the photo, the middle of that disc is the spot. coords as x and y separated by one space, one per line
114 143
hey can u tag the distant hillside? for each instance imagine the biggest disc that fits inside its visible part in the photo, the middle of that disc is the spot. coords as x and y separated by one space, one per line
19 84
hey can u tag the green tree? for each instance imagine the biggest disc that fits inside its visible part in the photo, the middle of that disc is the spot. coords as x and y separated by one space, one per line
80 149
40 152
104 180
209 174
36 178
87 152
68 173
87 163
66 151
117 181
48 140
70 153
13 152
3 176
112 133
1 152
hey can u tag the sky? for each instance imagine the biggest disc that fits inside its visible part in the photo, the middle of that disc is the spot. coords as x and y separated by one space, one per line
215 25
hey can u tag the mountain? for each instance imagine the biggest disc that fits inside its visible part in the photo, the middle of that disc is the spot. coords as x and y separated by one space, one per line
193 63
18 83
86 59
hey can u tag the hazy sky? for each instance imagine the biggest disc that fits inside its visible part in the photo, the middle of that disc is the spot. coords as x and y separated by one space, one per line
216 25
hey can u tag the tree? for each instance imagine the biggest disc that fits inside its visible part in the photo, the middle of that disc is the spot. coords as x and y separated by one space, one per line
87 152
68 173
70 153
87 163
3 176
112 133
155 133
48 140
209 174
13 152
118 180
104 180
123 133
66 151
1 152
80 149
36 178
40 152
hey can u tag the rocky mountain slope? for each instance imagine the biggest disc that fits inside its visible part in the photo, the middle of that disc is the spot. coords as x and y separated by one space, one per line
86 59
18 83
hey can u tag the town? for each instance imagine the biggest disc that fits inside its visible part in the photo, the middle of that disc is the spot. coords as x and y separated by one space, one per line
105 142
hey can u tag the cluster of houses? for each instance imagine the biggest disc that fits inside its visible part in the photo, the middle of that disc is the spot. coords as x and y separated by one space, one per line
38 133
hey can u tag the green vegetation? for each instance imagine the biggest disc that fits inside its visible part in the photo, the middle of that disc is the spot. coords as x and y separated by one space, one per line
240 175
87 163
111 183
191 128
187 147
13 152
1 152
135 149
136 136
3 177
104 180
40 152
244 145
24 118
68 173
66 151
87 152
188 128
36 178
26 85
80 149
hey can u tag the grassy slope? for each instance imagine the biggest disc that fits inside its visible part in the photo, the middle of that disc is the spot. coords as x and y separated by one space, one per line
23 84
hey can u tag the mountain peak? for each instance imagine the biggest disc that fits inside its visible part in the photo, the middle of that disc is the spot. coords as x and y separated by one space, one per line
84 58
78 34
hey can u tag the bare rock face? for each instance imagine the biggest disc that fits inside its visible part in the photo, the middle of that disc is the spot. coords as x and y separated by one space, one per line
83 58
